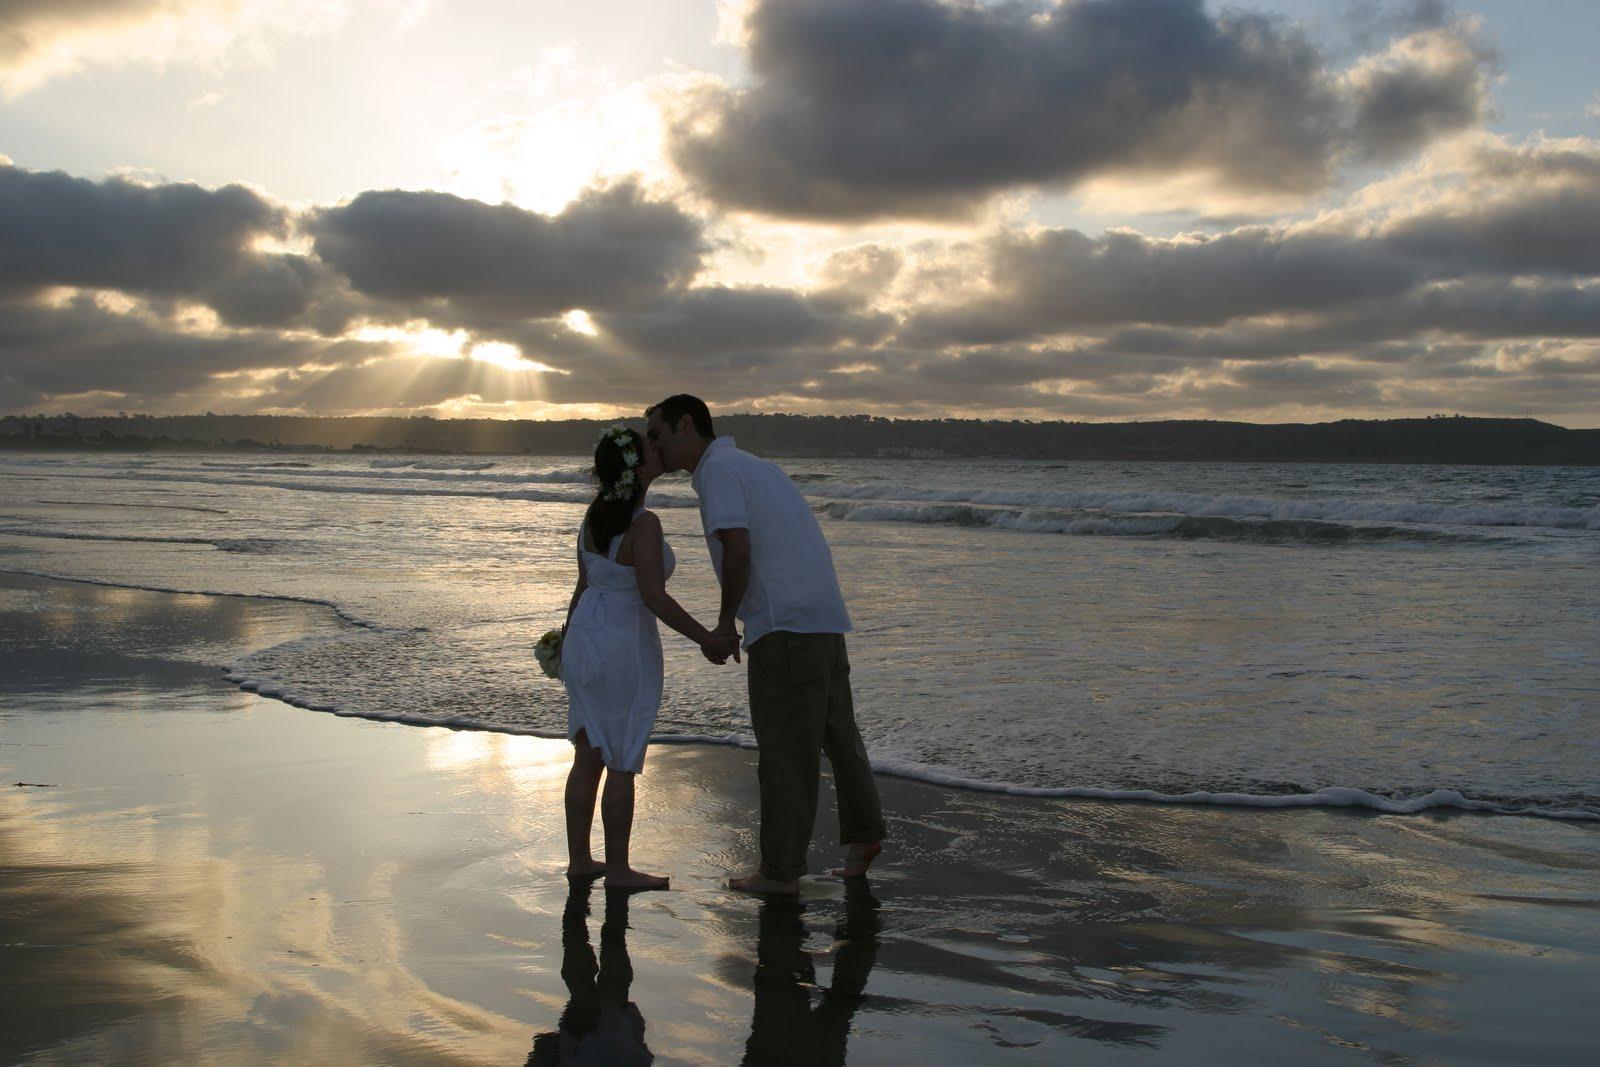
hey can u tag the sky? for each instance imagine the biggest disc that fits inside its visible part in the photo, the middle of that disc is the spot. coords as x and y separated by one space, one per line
1270 210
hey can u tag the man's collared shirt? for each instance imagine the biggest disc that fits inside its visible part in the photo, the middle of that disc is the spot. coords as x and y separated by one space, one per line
792 581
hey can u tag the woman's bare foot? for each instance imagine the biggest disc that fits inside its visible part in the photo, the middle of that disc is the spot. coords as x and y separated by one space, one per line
760 883
586 869
638 880
858 859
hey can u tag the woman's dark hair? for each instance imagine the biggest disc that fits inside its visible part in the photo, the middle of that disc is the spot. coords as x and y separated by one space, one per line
607 518
674 408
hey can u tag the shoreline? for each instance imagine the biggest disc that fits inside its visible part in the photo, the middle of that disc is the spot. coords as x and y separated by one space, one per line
228 448
1442 799
218 876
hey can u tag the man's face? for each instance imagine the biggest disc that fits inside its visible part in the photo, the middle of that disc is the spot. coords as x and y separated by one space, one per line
665 442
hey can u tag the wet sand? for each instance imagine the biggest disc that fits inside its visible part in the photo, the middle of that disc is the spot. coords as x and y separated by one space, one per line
197 874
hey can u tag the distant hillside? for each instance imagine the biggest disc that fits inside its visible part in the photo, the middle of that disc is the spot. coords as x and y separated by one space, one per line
1431 440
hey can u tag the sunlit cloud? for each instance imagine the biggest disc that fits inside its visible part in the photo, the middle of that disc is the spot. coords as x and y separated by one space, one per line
578 320
415 339
45 39
507 357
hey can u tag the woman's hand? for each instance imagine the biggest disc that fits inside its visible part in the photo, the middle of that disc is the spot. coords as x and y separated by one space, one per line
718 646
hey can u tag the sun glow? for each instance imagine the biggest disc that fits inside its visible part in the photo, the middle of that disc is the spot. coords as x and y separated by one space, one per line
414 340
507 357
578 321
563 126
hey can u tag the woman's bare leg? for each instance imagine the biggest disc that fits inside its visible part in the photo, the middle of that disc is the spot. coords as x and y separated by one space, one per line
583 782
616 813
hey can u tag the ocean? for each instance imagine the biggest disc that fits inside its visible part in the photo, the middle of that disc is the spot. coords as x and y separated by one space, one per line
1397 637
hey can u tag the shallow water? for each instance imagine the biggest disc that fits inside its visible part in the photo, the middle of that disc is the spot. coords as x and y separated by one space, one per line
197 875
1396 637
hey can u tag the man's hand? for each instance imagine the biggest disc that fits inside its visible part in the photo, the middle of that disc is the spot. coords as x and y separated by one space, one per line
724 642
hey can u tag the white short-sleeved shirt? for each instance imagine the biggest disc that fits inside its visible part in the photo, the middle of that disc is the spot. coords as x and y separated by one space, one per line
792 582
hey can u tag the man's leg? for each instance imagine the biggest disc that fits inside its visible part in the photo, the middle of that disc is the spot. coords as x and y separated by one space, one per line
788 702
860 811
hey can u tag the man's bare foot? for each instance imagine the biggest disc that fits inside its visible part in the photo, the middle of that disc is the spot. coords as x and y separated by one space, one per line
586 869
636 880
760 883
858 860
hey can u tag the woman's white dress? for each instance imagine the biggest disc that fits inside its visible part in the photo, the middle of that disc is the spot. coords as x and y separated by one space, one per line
611 659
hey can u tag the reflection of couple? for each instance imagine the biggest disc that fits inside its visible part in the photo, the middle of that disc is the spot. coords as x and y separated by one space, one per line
602 1026
777 580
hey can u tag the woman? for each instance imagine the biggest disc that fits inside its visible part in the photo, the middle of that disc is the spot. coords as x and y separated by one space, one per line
611 654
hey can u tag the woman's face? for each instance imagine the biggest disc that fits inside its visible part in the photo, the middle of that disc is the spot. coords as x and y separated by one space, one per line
649 463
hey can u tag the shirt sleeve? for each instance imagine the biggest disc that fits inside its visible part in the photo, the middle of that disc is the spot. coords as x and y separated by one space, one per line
723 505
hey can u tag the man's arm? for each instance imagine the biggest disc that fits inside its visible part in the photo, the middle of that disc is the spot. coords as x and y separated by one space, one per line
735 574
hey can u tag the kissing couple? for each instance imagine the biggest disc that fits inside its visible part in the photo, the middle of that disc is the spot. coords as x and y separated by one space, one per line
777 580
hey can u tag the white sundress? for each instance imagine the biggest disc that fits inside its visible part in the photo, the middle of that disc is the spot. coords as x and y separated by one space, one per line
611 659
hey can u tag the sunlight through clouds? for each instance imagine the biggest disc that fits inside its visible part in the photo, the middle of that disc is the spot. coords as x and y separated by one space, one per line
414 339
507 357
578 321
823 205
564 125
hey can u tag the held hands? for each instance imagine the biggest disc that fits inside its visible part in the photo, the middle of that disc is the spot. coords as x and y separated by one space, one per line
722 643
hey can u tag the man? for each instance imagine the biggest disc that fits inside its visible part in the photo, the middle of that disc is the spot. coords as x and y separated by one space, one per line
778 580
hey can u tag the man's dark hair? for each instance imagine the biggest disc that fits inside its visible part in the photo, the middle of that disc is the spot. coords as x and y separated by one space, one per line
674 408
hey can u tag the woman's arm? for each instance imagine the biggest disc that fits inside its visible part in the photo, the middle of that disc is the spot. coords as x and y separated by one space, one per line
649 569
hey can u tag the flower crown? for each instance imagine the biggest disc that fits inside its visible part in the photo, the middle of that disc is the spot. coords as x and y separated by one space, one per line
622 437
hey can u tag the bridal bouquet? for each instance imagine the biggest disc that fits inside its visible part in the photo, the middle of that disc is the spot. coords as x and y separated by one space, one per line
548 653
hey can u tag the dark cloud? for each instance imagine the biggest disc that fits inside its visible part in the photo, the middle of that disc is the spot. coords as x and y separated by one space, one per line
611 248
1062 280
285 290
171 242
1429 84
924 107
1511 250
57 230
717 320
1534 211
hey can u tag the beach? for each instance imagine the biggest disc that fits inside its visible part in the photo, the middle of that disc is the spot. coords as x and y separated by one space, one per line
199 874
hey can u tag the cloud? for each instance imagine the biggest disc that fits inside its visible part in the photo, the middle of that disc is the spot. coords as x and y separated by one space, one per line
1510 242
718 321
1467 281
906 108
59 230
613 247
1428 84
173 240
859 274
144 360
45 39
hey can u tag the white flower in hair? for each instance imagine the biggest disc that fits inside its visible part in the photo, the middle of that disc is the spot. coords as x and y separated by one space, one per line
631 458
